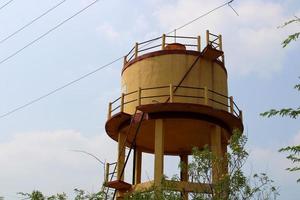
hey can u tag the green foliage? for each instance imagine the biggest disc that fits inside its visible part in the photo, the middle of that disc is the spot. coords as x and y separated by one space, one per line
284 112
292 37
294 156
289 112
232 186
293 151
80 195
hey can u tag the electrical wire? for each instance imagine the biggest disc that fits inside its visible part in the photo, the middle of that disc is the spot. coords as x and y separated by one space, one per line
96 70
58 89
31 22
48 32
3 6
201 16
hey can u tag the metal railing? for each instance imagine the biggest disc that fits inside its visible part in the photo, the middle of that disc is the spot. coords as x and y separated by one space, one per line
160 43
164 94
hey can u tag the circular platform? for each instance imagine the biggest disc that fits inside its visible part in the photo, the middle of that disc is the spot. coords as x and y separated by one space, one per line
185 126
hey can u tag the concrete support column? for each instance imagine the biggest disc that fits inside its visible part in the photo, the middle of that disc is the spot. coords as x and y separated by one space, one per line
158 152
216 148
184 173
138 166
121 160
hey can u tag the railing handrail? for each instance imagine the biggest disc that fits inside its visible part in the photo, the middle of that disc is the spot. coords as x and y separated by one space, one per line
139 49
208 96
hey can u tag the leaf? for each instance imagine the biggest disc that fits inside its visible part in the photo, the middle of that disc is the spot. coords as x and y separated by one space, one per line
290 38
290 21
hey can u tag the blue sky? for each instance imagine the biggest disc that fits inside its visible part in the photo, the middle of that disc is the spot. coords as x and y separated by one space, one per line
35 142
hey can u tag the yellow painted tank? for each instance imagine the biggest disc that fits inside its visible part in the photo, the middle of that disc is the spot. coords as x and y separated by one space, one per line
181 83
174 98
154 72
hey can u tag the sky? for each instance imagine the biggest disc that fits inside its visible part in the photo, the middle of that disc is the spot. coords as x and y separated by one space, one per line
36 142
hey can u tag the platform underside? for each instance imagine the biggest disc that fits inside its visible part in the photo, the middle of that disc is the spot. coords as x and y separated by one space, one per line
185 126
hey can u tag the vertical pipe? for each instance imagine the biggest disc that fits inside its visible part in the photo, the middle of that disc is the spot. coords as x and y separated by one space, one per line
199 43
163 44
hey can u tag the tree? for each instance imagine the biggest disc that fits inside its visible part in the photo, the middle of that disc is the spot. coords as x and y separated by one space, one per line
233 186
293 151
79 195
294 36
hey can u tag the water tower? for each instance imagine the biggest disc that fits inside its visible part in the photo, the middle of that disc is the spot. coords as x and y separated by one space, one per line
174 97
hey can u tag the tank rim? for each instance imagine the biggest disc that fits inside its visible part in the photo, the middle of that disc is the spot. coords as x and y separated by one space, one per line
165 52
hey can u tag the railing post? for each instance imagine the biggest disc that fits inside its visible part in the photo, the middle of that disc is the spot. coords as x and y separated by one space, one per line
125 60
221 47
109 110
136 50
199 43
171 93
106 173
241 115
122 102
231 104
163 44
139 96
207 37
220 43
205 96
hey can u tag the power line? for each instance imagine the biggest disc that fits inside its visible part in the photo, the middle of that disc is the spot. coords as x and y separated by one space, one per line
201 16
6 4
58 89
48 32
96 70
31 22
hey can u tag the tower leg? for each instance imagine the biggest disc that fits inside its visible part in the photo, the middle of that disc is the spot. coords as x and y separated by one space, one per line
158 152
219 167
138 166
216 148
121 160
184 173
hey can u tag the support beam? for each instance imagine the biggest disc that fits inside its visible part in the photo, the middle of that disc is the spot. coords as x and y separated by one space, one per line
121 160
216 148
184 174
158 152
138 166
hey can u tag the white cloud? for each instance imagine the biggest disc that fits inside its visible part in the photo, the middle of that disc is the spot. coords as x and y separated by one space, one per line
252 41
44 161
108 31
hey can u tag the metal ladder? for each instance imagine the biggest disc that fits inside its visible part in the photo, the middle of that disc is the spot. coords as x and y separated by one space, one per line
132 146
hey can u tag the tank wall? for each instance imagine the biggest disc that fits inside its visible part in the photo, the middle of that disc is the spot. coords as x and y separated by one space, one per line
167 69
